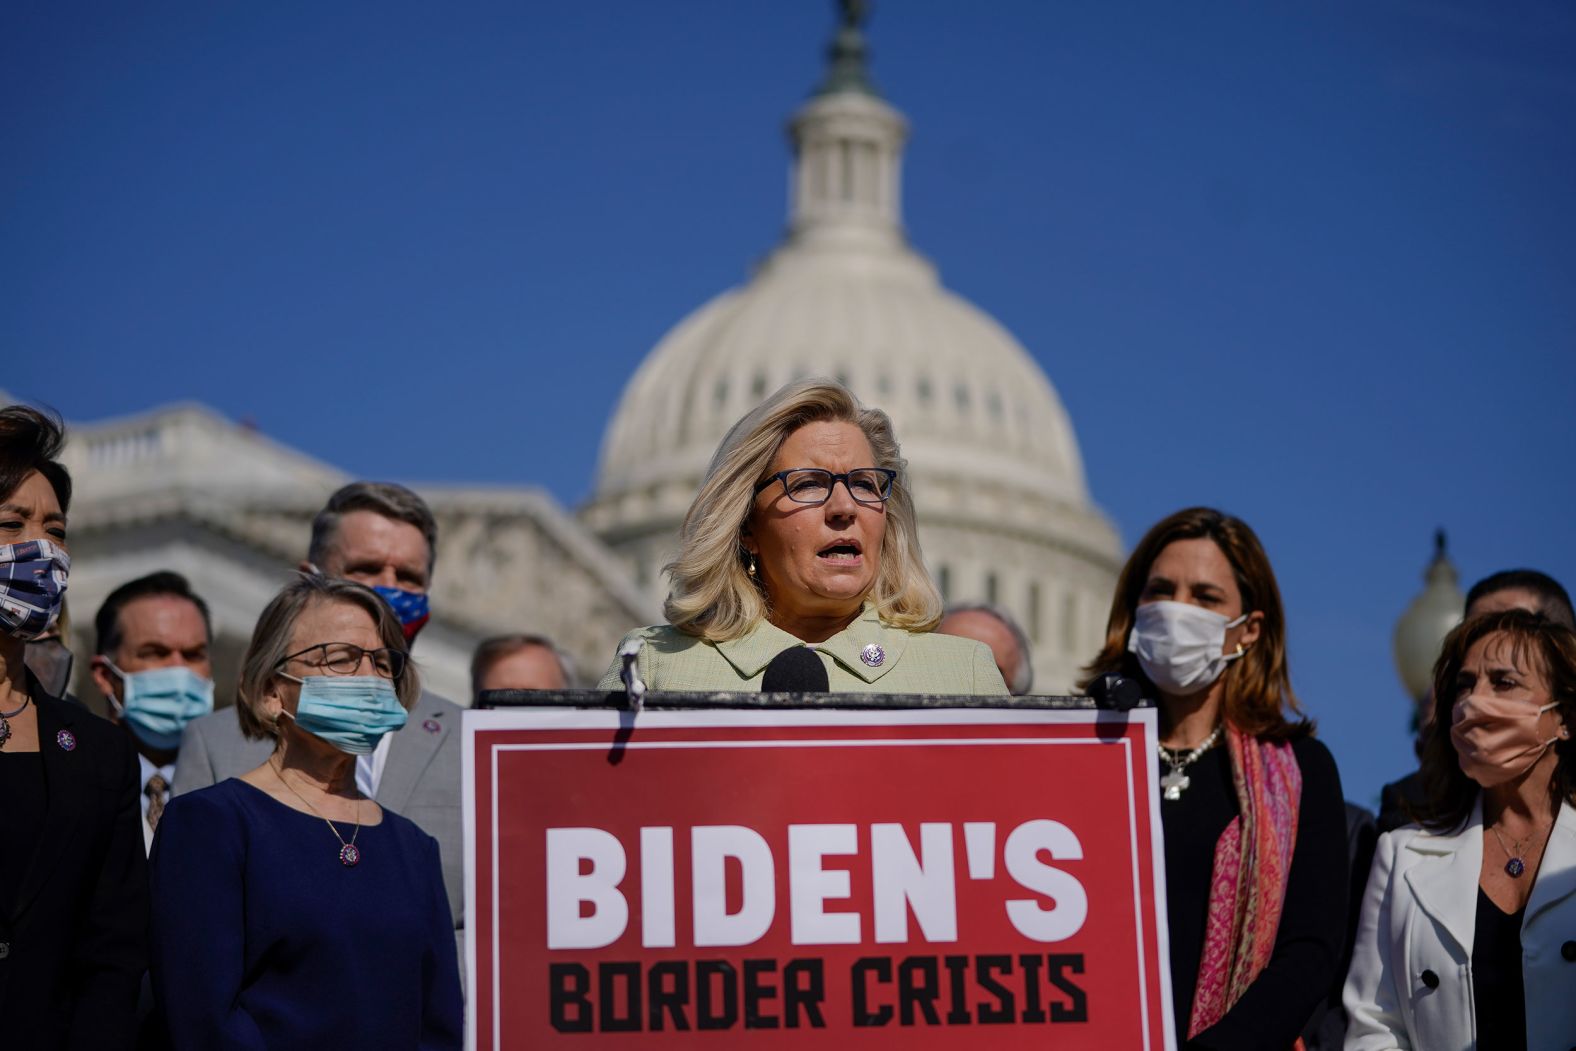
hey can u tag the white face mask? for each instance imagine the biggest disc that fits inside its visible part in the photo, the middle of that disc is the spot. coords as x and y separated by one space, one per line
1179 645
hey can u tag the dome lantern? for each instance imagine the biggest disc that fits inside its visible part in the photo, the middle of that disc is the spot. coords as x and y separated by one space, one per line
848 149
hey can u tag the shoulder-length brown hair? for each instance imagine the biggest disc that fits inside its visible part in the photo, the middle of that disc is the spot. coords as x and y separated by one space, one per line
1258 684
713 597
1449 794
276 626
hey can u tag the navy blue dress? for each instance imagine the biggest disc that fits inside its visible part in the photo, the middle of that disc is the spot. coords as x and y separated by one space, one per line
263 939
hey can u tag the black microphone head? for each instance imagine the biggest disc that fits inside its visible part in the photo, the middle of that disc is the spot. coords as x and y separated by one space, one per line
797 669
1116 692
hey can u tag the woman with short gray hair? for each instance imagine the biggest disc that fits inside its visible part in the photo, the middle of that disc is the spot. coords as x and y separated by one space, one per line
289 910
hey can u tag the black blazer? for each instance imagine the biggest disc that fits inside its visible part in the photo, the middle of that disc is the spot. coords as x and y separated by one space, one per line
75 942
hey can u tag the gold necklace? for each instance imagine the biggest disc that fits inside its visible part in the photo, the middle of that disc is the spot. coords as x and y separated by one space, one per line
1514 865
349 853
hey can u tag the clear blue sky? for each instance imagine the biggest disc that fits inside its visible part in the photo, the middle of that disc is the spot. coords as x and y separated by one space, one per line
1314 264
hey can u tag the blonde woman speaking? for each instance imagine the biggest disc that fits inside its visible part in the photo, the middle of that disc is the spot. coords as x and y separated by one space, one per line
803 536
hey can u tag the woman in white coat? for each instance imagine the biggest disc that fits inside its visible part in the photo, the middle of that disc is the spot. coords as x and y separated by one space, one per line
1468 930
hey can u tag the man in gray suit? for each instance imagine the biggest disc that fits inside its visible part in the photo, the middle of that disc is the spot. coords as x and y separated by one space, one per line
383 536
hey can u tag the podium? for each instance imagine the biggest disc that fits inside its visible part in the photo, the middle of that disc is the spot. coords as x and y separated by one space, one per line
813 870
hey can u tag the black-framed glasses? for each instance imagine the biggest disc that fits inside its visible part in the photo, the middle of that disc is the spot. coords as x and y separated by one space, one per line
344 658
813 485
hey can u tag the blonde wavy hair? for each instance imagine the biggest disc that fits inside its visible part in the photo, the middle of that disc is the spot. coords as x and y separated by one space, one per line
713 596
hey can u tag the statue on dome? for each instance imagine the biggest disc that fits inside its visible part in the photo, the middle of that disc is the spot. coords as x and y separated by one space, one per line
847 53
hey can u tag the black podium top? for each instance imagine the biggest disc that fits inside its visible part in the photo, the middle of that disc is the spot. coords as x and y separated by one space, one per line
662 700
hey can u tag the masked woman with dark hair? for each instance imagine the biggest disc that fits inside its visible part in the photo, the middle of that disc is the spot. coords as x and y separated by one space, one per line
1468 928
73 883
1255 825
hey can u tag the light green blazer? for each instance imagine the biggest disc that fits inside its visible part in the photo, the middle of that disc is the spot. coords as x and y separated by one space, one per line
909 662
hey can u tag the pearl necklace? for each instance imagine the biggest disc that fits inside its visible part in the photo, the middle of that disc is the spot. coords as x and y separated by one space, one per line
1174 782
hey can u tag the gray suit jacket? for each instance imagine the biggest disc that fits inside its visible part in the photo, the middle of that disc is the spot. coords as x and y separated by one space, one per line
421 778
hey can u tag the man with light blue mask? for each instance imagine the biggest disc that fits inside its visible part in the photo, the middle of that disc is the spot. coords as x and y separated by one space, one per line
152 664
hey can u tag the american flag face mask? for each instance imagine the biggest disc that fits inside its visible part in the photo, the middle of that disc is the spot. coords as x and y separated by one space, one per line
32 582
409 606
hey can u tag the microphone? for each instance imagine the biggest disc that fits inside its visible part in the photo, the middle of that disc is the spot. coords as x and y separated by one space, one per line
797 669
1115 692
634 685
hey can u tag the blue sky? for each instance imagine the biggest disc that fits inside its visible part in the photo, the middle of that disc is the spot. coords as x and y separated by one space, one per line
1314 264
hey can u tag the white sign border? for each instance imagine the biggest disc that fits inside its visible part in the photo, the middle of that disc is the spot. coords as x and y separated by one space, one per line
608 720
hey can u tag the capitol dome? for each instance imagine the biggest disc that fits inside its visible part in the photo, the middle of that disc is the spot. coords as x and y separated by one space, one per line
1005 514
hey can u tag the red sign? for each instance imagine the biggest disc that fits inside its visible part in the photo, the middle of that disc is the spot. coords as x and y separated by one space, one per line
914 879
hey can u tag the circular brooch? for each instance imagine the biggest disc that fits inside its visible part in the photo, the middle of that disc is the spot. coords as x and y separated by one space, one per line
66 740
873 655
349 856
431 726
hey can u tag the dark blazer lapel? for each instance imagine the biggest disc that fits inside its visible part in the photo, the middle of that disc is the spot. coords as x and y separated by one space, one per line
66 786
410 753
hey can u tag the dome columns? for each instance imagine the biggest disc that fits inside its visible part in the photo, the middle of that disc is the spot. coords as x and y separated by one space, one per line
847 169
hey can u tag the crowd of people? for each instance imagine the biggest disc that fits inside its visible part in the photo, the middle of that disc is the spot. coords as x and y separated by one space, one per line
287 872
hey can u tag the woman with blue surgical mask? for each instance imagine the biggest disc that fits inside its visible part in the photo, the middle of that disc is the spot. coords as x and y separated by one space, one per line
73 882
1250 802
289 910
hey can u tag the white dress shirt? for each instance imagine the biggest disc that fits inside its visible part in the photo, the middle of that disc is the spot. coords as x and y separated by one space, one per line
369 768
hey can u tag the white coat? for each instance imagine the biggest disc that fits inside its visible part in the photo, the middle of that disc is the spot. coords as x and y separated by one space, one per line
1410 983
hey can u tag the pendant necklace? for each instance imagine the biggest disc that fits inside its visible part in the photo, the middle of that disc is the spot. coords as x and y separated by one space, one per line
5 726
1514 865
1174 782
349 853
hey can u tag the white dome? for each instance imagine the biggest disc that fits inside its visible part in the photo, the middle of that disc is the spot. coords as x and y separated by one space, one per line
996 472
964 396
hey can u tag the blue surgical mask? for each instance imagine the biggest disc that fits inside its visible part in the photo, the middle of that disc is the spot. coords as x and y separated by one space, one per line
350 712
32 583
159 702
411 607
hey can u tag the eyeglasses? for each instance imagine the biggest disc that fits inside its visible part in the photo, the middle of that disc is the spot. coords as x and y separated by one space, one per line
344 658
812 485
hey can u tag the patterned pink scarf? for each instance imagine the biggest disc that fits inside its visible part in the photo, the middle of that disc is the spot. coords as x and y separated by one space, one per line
1248 883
